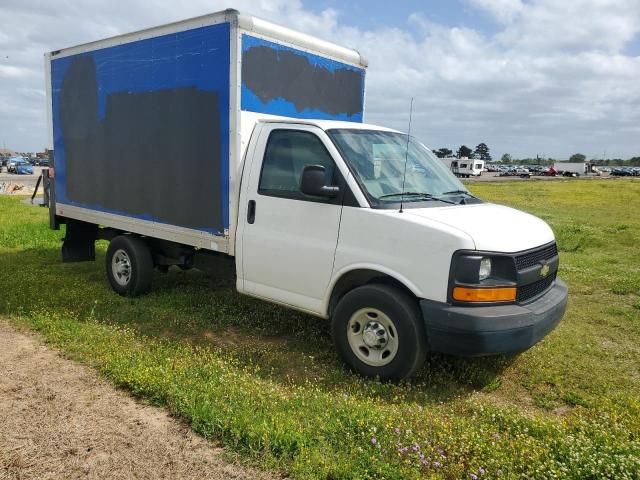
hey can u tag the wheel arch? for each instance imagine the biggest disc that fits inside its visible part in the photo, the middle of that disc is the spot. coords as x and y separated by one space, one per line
357 276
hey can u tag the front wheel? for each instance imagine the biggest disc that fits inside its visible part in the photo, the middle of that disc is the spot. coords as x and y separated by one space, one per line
378 331
129 265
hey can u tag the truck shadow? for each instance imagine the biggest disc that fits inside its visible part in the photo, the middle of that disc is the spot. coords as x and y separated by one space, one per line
192 307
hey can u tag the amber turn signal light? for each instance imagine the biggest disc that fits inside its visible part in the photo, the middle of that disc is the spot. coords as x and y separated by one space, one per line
502 294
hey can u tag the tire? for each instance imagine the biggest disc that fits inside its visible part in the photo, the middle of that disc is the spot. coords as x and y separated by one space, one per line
387 318
129 265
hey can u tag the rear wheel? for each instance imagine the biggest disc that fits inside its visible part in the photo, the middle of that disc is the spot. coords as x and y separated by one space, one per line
129 265
378 331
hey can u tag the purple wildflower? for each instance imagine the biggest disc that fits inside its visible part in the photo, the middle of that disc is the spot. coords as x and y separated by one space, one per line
474 476
397 431
481 471
415 447
374 441
436 464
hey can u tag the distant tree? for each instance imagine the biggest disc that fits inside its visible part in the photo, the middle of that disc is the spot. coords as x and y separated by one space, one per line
506 158
577 157
464 151
482 152
443 152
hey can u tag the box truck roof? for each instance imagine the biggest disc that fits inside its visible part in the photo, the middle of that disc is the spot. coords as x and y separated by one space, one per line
248 23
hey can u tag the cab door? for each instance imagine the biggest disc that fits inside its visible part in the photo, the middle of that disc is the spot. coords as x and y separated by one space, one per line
288 238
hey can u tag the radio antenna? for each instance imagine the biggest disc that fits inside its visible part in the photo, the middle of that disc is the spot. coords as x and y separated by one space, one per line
406 155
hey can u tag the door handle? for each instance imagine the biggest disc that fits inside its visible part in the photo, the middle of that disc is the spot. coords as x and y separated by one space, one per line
251 211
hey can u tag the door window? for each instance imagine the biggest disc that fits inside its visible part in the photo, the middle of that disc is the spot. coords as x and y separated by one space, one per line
286 155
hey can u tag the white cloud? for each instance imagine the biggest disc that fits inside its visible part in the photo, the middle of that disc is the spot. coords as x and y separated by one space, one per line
554 78
504 11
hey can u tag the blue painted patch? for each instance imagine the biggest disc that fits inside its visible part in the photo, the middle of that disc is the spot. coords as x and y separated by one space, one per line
194 58
280 106
284 107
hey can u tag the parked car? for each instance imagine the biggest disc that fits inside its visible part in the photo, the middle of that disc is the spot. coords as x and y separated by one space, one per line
42 162
11 163
507 172
622 172
22 167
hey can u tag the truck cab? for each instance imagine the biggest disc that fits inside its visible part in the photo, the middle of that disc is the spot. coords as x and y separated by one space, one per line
325 226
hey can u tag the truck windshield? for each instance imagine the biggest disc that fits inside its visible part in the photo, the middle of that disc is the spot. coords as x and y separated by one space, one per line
377 159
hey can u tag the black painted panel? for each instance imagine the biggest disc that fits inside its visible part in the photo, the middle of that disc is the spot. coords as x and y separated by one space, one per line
272 74
155 154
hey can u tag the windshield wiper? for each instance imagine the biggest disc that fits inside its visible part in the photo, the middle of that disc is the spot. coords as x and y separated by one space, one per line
457 192
424 196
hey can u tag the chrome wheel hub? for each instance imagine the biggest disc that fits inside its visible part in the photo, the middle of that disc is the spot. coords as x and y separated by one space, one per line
121 267
372 337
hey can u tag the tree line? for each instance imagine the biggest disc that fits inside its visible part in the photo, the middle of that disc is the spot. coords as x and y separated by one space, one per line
481 152
576 157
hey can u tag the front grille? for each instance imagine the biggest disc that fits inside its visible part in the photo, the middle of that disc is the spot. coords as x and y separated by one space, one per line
527 292
530 259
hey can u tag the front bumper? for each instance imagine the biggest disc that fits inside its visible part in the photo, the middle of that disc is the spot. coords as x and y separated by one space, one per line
474 331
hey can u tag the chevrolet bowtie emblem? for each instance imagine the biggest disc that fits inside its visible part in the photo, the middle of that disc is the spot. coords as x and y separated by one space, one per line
544 271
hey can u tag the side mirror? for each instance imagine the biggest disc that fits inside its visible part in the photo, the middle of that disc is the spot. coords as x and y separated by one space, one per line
312 182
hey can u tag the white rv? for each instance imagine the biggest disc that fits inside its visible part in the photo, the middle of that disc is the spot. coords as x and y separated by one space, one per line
464 167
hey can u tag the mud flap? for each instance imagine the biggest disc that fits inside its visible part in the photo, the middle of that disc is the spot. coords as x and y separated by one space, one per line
79 242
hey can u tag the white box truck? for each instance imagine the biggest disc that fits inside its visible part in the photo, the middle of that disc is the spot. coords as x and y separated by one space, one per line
226 139
571 169
575 169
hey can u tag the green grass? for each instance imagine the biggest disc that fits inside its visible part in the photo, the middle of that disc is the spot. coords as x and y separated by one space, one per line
266 383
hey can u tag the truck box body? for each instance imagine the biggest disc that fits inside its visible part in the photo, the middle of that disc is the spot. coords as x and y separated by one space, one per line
579 168
149 128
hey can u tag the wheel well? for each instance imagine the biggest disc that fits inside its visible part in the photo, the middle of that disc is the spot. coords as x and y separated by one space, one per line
357 278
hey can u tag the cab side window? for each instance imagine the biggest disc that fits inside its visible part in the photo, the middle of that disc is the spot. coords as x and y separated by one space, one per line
286 155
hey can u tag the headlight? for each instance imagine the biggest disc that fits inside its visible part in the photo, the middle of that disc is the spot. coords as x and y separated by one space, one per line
482 277
485 268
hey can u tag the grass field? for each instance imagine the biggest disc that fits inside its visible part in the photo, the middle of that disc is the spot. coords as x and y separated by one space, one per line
266 383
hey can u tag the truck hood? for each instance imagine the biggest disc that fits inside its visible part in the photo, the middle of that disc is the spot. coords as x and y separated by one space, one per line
492 227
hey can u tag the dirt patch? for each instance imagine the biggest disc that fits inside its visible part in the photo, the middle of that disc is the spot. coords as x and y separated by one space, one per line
58 419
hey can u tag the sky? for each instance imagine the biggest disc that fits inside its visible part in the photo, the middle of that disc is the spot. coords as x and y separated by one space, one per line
526 77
